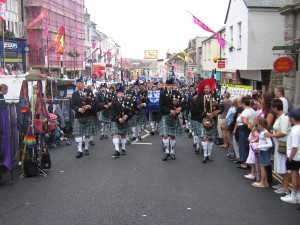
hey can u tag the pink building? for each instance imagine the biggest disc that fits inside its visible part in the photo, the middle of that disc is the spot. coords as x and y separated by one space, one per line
43 48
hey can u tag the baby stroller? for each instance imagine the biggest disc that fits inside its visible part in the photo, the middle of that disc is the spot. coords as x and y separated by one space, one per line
53 138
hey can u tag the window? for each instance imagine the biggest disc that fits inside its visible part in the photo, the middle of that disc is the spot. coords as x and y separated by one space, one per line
231 35
239 30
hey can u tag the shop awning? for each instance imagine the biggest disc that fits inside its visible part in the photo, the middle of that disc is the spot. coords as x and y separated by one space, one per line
251 74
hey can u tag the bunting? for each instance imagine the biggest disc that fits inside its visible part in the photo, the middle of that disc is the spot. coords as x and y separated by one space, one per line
206 28
187 55
43 14
2 10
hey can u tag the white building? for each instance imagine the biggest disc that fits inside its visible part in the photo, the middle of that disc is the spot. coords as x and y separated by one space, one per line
253 27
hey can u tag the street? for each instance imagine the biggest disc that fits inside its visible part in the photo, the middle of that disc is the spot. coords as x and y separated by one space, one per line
139 188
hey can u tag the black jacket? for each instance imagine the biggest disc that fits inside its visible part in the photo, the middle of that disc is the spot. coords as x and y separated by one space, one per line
203 112
120 109
169 102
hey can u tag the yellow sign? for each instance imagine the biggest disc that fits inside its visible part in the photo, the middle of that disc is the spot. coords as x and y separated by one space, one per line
238 86
13 60
150 54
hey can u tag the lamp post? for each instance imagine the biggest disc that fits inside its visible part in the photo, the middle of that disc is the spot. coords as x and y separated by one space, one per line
214 71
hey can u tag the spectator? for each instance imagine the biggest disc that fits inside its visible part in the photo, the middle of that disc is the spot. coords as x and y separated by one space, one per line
3 91
230 122
281 129
279 93
226 104
293 157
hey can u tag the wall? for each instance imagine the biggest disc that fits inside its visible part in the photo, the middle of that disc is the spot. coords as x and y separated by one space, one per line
265 31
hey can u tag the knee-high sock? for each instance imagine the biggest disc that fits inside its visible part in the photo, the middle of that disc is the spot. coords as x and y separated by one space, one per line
133 131
173 143
91 138
166 144
194 137
187 125
102 128
123 141
205 148
139 129
116 143
152 126
83 138
197 141
87 140
210 146
79 143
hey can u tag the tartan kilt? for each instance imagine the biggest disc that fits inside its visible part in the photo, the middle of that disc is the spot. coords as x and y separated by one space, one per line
88 129
97 123
196 127
141 117
116 130
133 121
154 116
103 118
209 133
171 131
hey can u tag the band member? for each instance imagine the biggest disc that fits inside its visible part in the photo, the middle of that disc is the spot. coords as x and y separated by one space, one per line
209 109
170 103
154 114
85 106
121 112
105 97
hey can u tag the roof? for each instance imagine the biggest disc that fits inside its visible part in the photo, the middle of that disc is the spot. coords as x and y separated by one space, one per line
259 4
265 3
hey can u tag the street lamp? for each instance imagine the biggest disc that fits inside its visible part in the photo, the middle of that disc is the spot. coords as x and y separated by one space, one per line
214 71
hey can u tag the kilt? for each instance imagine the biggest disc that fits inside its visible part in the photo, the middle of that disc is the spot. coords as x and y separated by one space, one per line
97 123
88 129
116 130
208 133
141 117
154 116
171 131
133 121
196 127
103 118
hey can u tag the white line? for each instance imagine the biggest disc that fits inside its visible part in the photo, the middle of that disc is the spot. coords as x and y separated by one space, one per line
145 135
140 143
146 131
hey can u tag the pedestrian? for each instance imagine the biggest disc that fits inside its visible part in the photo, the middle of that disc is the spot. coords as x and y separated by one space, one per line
263 146
3 91
253 138
85 106
279 93
122 111
170 102
293 157
226 104
209 109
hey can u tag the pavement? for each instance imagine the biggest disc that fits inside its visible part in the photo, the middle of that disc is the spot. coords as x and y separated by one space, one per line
139 188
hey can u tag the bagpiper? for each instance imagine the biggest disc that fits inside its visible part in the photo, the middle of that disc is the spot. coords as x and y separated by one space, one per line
170 103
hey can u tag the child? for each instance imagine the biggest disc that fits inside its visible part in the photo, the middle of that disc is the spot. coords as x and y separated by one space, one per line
253 138
263 146
293 157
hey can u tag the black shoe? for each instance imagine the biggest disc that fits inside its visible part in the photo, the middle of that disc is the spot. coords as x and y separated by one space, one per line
128 142
152 132
205 159
133 139
172 156
165 157
92 142
86 152
190 135
101 137
210 159
83 144
79 155
197 151
106 137
123 152
187 130
139 137
116 154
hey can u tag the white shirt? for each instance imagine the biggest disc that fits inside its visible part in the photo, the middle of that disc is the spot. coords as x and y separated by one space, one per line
285 104
249 113
264 144
293 141
282 125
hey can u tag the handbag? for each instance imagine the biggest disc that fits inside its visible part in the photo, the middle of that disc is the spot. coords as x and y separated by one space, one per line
38 126
30 168
24 100
83 120
282 147
170 120
208 123
45 160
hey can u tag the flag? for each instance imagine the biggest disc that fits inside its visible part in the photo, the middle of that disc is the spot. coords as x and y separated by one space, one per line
182 58
2 10
206 28
46 25
187 55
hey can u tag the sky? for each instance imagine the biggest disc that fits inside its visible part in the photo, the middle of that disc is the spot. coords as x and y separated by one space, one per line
163 25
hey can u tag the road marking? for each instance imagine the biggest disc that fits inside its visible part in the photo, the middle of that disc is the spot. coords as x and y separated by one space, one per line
146 131
140 143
